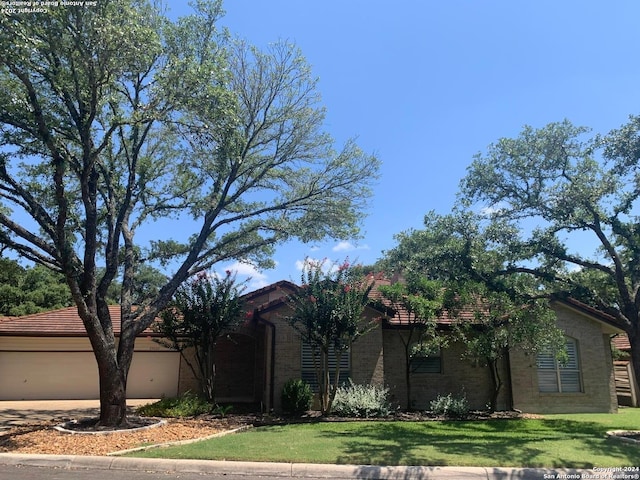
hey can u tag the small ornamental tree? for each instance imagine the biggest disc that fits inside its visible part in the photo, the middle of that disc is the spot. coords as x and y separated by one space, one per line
328 313
500 323
202 310
420 300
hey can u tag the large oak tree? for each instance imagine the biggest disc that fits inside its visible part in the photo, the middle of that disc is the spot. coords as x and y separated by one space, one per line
113 117
570 202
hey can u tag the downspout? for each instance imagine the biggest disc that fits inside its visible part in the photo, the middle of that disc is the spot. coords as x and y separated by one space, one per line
507 357
273 358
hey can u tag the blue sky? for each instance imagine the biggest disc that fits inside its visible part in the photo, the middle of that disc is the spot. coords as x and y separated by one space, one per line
425 85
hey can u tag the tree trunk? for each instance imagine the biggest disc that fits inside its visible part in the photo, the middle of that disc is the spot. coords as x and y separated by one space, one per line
113 370
113 395
496 381
407 374
326 382
634 342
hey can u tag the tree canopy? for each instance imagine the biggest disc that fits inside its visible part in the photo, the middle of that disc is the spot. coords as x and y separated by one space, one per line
115 117
573 199
553 211
26 290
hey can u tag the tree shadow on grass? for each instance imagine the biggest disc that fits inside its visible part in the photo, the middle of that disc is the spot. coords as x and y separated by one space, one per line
518 443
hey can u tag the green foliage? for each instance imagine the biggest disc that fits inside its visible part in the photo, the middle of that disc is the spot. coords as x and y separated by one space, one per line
187 405
296 397
117 116
421 301
26 290
496 308
202 310
572 187
450 406
361 401
328 313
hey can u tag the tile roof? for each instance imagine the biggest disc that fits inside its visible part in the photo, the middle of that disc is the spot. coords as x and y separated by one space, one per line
66 321
399 316
467 314
55 323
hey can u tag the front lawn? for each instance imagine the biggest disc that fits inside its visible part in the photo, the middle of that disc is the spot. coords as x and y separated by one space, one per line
556 441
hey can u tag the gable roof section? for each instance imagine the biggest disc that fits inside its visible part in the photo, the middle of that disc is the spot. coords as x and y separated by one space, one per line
590 311
280 301
64 322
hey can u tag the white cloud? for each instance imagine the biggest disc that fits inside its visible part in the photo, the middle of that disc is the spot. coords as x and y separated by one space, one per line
246 270
345 246
327 265
488 211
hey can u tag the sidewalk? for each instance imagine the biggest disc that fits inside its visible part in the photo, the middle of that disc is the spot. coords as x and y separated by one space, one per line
291 470
15 413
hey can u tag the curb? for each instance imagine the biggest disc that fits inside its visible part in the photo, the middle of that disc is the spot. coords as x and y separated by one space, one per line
288 470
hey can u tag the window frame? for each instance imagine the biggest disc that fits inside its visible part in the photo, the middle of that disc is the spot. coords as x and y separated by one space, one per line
554 377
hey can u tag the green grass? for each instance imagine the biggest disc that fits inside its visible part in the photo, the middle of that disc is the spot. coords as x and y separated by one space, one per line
572 441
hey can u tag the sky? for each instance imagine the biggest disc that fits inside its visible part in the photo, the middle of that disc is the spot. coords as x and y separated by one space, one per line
425 85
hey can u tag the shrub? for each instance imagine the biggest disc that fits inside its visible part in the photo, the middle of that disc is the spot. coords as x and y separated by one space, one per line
361 401
296 397
187 405
450 406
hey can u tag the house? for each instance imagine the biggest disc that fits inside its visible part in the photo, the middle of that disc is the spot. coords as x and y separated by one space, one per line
254 362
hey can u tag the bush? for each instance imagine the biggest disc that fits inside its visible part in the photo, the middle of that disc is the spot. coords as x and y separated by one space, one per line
361 401
296 397
450 406
187 405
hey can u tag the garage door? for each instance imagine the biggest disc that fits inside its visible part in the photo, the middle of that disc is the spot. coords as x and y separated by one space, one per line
74 375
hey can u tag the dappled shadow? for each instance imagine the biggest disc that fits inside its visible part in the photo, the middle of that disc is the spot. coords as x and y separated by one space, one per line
507 442
16 417
370 472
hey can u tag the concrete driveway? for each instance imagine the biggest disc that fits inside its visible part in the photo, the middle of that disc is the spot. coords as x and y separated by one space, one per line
14 413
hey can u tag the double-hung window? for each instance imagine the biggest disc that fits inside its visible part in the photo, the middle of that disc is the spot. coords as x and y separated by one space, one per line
555 376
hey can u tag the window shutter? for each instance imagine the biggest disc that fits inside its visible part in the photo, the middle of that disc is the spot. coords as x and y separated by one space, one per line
556 377
308 370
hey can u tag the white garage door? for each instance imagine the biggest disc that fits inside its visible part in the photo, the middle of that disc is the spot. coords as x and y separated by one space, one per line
74 375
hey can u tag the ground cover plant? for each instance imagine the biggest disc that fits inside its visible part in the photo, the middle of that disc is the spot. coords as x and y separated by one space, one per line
555 441
187 405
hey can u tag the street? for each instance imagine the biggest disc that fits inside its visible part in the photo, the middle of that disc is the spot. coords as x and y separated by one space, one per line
11 472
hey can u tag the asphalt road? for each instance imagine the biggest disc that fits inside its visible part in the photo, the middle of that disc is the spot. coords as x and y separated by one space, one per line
11 472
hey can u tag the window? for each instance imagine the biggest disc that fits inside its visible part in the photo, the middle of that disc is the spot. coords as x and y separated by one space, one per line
557 377
309 372
431 363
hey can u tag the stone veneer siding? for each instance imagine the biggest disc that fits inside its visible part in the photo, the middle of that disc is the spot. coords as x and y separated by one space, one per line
598 384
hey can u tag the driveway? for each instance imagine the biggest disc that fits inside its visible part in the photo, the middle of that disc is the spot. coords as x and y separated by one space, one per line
14 413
